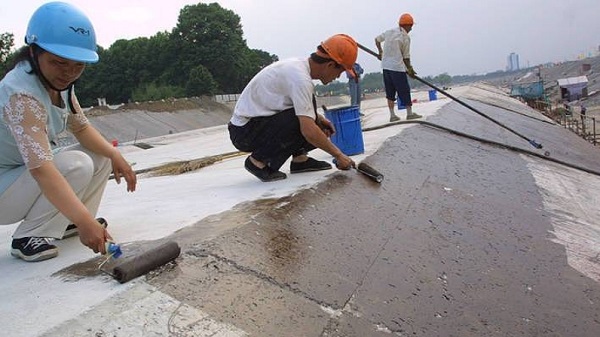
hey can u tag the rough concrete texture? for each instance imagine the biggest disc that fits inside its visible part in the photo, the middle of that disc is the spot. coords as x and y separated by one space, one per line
460 239
455 242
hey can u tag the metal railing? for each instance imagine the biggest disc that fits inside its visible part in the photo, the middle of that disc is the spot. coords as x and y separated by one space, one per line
582 125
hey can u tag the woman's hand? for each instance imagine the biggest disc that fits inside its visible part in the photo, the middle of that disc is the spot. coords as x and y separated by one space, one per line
121 168
94 236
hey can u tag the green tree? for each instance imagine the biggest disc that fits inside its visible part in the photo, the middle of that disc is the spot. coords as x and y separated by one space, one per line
154 92
204 54
372 82
125 66
122 68
92 84
7 41
443 79
257 60
334 88
200 82
210 35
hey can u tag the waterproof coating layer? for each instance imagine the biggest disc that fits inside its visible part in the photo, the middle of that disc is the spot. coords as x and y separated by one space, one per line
370 172
132 267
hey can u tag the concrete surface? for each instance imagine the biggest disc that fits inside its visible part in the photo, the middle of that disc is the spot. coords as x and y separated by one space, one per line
462 238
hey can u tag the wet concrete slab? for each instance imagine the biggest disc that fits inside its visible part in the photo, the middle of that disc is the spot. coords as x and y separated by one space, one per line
454 242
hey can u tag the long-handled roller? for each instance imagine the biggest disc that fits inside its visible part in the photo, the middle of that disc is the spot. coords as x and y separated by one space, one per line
531 141
127 268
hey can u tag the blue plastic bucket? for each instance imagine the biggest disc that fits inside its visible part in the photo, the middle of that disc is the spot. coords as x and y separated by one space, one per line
348 132
432 95
400 104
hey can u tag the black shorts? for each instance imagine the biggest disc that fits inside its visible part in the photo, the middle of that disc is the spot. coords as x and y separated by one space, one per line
271 140
396 82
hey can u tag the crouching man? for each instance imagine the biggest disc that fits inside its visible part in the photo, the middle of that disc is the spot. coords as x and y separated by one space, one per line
276 115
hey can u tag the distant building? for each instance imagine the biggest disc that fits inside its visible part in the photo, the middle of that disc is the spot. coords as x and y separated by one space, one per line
512 62
573 88
586 67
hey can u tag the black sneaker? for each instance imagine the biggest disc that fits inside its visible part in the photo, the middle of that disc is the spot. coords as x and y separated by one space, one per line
309 165
73 231
265 174
33 249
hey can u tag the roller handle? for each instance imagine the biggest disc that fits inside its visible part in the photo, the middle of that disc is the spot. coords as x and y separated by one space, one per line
113 249
535 144
532 142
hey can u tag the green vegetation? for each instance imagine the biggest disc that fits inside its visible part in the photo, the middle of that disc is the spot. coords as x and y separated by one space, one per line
204 54
154 92
7 41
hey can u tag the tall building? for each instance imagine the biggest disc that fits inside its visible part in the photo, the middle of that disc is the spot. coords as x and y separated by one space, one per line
513 62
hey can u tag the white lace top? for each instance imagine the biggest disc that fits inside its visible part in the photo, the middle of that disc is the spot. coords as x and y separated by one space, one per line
29 123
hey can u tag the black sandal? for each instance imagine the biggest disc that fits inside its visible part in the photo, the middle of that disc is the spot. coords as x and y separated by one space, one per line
265 174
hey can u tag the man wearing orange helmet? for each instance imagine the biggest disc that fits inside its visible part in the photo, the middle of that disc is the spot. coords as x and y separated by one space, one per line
276 116
395 61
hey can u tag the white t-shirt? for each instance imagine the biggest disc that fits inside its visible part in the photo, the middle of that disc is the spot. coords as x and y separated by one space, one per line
279 86
396 48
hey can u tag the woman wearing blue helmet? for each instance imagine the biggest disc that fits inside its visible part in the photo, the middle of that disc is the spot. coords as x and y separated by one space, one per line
49 190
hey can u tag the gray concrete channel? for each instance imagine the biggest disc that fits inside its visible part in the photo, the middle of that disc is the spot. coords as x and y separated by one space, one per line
456 241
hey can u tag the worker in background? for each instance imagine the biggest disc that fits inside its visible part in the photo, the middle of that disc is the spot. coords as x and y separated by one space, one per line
354 85
396 64
276 115
50 190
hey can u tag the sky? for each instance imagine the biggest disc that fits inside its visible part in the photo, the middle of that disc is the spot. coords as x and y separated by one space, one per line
458 37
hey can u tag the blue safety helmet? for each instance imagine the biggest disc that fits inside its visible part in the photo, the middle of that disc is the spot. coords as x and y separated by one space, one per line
63 30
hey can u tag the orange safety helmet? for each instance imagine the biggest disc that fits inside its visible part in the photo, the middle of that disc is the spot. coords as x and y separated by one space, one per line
406 19
342 49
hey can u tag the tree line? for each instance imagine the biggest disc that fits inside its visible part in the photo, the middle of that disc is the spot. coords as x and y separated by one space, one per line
373 82
204 54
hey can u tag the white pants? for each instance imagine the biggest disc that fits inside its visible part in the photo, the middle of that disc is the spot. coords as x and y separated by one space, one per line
24 202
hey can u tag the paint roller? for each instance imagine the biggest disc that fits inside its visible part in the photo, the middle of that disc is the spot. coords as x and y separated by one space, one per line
368 171
127 268
364 168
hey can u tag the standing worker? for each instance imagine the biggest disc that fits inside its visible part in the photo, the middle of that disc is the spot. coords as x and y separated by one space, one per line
276 115
354 85
48 189
395 61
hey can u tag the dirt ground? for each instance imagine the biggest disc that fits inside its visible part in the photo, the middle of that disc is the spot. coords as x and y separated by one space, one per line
202 104
166 105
